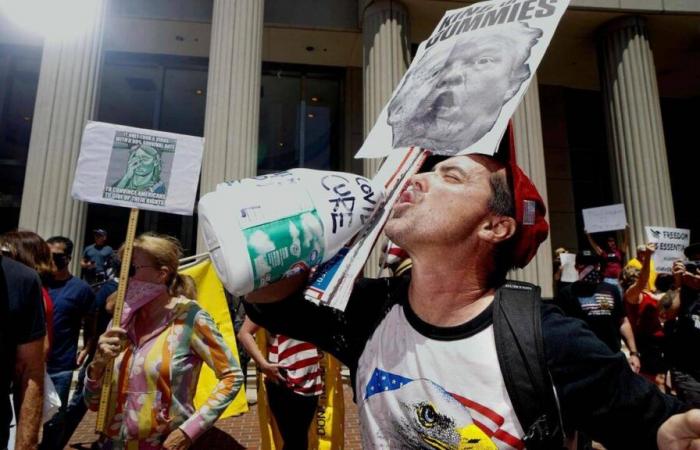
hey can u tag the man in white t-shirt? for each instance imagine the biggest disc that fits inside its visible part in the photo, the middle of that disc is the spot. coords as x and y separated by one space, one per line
422 354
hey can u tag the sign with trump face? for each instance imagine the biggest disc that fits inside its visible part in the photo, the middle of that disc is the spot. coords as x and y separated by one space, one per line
467 79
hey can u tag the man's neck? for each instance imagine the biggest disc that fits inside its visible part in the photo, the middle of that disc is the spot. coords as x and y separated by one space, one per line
62 275
445 292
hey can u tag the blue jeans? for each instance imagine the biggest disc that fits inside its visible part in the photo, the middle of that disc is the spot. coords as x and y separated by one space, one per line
76 408
53 429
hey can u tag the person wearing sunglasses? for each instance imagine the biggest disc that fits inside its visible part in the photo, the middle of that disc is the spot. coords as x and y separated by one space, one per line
158 349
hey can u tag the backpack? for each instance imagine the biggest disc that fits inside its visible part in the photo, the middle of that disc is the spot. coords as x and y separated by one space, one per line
520 349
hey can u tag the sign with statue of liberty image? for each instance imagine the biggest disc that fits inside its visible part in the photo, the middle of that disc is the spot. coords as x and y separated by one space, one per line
138 168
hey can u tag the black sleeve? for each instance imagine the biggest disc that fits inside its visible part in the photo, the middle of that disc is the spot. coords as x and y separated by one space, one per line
598 392
564 301
32 324
619 310
342 333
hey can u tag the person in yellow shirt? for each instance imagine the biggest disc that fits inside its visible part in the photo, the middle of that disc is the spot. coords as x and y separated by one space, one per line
635 262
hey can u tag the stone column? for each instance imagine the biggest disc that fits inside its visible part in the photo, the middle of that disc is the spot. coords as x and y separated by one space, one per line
635 133
386 57
233 94
529 149
65 101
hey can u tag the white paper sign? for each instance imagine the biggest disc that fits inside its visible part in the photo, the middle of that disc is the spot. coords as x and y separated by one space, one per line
138 168
670 244
569 274
605 218
467 79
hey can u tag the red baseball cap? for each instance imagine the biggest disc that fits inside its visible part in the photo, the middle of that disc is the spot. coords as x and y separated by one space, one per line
530 209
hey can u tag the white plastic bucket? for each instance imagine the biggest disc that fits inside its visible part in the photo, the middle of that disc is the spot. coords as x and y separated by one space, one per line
259 230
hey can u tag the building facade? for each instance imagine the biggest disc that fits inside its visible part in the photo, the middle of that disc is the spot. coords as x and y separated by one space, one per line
274 84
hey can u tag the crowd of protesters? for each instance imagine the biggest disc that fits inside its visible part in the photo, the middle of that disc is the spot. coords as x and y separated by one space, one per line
658 313
164 336
158 347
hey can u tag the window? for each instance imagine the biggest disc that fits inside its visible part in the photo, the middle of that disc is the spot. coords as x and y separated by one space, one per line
299 118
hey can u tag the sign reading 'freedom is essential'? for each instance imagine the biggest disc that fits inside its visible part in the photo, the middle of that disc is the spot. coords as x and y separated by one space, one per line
670 244
138 168
467 79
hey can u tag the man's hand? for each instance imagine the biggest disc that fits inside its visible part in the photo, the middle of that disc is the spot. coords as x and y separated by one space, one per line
647 252
634 363
272 371
682 277
678 270
680 432
177 440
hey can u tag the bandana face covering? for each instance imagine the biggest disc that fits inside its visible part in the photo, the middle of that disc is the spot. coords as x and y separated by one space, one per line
138 294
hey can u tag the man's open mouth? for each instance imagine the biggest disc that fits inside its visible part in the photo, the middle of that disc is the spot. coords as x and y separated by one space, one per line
443 101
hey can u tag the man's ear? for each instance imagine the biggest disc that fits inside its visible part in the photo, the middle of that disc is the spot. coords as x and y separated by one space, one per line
496 229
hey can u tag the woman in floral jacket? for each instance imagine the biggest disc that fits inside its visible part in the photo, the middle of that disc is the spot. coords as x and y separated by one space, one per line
158 350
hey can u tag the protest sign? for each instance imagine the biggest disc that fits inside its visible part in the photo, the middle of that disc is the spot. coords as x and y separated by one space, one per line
569 274
604 218
138 168
467 79
670 244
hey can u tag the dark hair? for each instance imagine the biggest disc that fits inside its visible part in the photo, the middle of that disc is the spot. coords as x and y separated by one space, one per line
501 203
664 282
67 243
29 249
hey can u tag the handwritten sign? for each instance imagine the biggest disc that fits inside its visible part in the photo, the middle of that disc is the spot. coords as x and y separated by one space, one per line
670 244
605 218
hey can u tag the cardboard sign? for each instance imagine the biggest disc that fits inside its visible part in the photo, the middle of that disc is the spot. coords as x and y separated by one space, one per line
467 79
670 244
138 168
605 218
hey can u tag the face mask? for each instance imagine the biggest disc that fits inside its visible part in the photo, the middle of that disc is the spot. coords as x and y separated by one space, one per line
138 294
590 275
60 260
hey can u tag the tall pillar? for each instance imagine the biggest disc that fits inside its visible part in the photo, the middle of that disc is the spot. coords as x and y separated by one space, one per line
386 57
529 153
65 101
233 94
635 132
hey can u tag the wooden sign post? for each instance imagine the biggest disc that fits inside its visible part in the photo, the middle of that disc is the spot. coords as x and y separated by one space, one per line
101 426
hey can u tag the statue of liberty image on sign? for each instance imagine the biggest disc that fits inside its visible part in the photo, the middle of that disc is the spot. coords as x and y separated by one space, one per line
139 168
143 170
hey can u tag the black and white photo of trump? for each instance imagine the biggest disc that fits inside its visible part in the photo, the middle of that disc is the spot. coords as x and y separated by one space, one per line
453 95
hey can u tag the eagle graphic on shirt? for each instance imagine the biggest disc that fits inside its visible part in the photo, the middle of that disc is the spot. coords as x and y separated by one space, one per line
420 414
